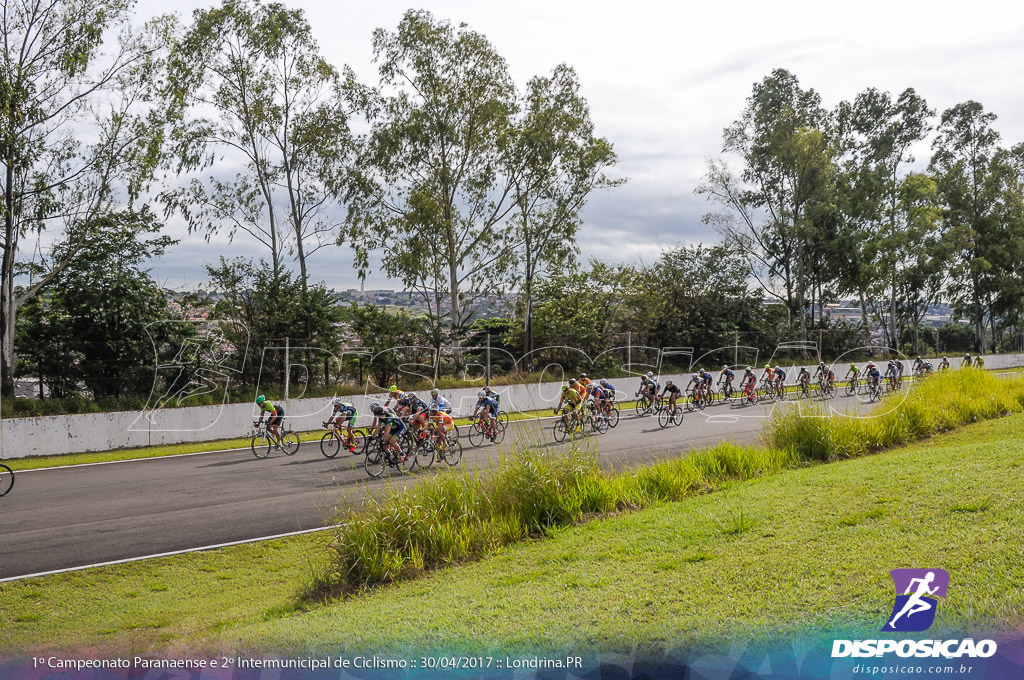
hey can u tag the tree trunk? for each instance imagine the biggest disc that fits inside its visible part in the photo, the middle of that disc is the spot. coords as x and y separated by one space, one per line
7 309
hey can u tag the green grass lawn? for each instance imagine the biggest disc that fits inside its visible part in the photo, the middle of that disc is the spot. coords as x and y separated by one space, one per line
802 551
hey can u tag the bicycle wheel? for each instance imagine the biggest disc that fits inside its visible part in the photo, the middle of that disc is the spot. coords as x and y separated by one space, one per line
6 479
559 430
407 454
261 444
851 388
613 416
290 443
453 454
503 418
425 453
499 432
600 424
476 434
663 418
781 392
677 417
330 444
376 460
643 405
359 440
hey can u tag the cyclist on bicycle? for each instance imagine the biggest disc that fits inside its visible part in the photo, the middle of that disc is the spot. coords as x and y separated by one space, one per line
898 365
584 383
967 361
572 399
707 378
493 395
488 408
979 362
608 388
414 404
673 393
852 373
274 420
749 380
873 375
600 398
944 366
436 400
441 422
418 423
649 386
388 424
780 379
804 378
343 412
826 373
697 383
890 373
726 377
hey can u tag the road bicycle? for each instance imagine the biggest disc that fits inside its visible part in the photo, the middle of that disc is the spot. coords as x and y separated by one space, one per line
727 391
447 447
482 430
694 400
852 386
748 394
380 456
825 388
605 416
6 479
644 404
263 441
874 390
803 390
571 426
673 413
336 439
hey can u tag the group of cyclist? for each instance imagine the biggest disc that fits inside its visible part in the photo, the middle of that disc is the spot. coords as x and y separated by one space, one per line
403 411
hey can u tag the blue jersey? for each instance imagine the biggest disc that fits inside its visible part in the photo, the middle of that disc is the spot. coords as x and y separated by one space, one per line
487 402
780 374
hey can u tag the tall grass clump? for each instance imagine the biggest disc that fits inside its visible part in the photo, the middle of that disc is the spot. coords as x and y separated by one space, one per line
939 403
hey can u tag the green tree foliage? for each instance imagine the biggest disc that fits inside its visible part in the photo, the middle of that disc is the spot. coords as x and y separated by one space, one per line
248 84
396 342
93 322
264 309
79 132
979 185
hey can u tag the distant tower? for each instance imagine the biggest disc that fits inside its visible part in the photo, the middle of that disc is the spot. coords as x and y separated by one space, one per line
362 286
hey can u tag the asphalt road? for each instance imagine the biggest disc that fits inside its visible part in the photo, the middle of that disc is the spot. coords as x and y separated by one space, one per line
71 517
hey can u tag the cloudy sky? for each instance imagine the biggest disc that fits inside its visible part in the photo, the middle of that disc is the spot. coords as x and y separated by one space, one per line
664 78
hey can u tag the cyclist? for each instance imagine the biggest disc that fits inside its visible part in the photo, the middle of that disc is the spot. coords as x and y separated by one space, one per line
804 378
766 375
966 361
441 422
584 382
780 379
343 412
873 376
673 393
648 386
395 394
944 365
418 423
413 404
274 420
706 377
493 395
890 373
898 365
440 402
389 425
979 362
853 373
827 374
726 377
487 407
608 389
572 399
749 380
601 399
698 384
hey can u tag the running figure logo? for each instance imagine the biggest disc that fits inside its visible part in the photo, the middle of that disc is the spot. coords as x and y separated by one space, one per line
915 606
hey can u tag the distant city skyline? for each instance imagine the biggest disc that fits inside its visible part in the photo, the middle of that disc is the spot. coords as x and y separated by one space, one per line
663 79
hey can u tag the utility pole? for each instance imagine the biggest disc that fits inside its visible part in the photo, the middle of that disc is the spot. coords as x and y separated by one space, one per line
488 359
629 352
736 348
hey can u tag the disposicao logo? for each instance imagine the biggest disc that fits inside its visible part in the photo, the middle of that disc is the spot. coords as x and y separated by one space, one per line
914 611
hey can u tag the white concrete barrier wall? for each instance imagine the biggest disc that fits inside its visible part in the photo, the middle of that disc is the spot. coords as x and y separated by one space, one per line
50 435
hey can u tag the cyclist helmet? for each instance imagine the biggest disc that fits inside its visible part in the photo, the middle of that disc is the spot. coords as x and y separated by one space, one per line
434 392
572 381
393 388
852 366
583 375
748 369
374 404
668 383
260 399
376 409
481 394
767 366
336 401
565 388
602 382
650 374
696 376
411 395
725 367
433 409
821 363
